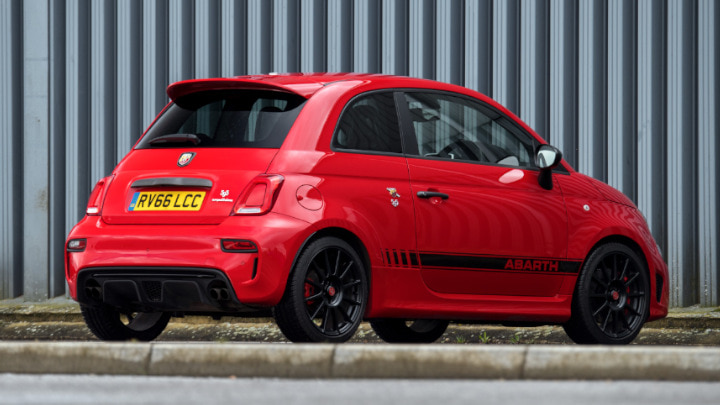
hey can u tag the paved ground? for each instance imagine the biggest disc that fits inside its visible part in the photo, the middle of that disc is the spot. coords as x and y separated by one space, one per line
59 319
50 338
139 390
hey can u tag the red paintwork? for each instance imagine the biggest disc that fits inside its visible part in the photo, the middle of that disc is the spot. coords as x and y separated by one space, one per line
495 211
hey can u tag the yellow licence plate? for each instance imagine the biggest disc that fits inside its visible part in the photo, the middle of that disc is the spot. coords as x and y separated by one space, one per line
167 201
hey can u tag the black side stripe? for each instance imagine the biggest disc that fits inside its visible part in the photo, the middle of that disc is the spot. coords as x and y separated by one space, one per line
499 263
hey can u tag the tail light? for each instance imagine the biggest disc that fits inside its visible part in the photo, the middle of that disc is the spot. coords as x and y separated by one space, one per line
259 196
96 197
76 245
239 246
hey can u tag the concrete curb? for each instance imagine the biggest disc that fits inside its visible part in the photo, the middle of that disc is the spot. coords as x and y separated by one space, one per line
363 361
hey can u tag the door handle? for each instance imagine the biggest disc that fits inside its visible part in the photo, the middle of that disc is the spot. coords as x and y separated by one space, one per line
430 194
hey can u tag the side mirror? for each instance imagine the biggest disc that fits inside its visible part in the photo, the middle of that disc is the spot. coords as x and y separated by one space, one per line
547 158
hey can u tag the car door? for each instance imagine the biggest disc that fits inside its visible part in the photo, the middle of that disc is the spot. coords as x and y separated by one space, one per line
484 225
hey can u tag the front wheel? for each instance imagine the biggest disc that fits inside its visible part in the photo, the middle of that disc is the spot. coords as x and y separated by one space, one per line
402 331
326 294
110 324
611 300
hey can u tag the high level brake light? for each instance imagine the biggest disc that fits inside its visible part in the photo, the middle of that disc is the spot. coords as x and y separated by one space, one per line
259 196
97 196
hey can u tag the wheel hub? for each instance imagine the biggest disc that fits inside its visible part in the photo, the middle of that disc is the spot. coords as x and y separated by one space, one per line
616 296
333 292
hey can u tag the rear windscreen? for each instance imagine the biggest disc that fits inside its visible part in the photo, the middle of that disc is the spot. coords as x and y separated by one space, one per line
225 119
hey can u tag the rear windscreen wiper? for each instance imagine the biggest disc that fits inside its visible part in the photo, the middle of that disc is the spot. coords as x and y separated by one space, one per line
172 139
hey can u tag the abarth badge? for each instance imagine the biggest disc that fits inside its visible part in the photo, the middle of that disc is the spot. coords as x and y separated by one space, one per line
185 159
393 192
394 196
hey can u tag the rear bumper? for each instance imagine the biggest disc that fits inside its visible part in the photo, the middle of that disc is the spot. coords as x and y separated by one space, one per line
155 289
181 257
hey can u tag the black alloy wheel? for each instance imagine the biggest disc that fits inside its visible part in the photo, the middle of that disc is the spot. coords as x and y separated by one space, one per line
110 324
415 331
326 295
611 300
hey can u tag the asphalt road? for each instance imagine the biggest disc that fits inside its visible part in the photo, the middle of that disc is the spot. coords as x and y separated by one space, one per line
91 389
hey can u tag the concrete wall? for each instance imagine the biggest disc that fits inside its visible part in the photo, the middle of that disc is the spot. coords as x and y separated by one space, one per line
627 89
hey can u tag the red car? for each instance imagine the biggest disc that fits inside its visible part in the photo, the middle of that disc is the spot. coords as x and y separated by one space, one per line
337 198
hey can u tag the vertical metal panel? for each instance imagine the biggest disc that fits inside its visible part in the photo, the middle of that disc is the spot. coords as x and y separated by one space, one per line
234 31
450 42
535 69
102 76
681 60
563 78
340 41
506 54
207 39
651 116
155 58
422 39
36 137
592 88
56 196
77 102
708 168
11 198
259 36
394 41
622 43
181 40
129 125
366 36
313 35
286 36
478 45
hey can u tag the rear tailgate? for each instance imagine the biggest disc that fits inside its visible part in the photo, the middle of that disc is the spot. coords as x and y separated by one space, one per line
150 187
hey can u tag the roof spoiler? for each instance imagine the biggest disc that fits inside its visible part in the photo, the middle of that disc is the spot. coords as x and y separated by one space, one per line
182 88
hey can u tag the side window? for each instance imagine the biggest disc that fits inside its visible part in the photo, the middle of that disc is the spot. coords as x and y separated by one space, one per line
369 123
455 128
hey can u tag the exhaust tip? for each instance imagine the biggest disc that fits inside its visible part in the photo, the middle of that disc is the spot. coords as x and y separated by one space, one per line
220 294
94 292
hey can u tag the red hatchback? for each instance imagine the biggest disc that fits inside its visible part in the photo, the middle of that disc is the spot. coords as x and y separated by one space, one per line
334 198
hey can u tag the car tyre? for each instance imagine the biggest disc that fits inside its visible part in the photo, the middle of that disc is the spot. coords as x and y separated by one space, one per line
110 324
326 295
611 299
402 331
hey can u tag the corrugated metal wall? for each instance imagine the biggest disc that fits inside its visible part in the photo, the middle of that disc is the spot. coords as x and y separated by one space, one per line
627 89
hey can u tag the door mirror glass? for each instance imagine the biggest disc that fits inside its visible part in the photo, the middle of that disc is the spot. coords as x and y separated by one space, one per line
547 157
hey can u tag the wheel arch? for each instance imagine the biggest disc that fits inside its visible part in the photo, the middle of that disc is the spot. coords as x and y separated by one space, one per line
638 250
623 240
340 233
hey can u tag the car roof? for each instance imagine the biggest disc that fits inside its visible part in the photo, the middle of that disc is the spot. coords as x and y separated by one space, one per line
303 84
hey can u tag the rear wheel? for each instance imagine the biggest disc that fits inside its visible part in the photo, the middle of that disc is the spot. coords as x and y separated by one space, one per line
611 300
110 324
402 331
326 295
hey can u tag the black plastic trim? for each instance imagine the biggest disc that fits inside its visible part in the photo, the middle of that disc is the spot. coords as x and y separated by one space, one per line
176 289
172 182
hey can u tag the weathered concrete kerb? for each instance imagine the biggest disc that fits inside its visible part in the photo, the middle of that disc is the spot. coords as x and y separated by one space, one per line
363 361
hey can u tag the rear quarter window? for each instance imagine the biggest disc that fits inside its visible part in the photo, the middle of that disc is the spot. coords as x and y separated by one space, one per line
225 119
369 123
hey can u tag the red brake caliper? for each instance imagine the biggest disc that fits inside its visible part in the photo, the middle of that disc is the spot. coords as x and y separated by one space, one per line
309 291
